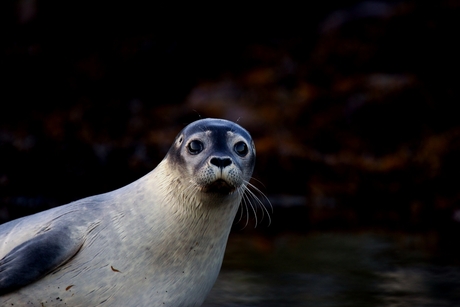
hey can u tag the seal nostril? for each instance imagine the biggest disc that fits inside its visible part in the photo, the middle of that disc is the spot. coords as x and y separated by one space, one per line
221 162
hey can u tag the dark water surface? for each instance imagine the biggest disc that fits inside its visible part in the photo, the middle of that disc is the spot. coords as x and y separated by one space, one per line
337 269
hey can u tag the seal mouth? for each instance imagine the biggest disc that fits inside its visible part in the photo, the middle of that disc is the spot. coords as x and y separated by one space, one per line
219 186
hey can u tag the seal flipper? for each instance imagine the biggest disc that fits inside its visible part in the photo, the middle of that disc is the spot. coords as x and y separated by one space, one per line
33 259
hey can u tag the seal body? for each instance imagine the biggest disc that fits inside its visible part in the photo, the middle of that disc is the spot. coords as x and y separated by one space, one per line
158 241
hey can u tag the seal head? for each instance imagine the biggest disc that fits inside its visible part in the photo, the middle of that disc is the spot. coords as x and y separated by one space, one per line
214 155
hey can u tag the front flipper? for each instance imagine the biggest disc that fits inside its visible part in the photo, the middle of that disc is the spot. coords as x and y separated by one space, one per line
36 257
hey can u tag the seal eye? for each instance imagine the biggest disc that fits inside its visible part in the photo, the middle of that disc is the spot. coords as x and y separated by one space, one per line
195 147
241 149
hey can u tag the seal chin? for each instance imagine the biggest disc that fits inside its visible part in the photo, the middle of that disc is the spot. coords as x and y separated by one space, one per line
219 186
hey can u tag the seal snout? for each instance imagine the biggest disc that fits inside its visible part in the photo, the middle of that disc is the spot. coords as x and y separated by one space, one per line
221 162
221 182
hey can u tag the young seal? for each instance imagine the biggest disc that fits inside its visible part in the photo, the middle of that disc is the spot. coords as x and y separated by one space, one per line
158 241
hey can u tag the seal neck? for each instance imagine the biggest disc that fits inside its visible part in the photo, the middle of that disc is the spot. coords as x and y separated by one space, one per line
176 201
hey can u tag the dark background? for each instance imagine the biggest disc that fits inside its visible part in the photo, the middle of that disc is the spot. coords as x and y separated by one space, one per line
352 104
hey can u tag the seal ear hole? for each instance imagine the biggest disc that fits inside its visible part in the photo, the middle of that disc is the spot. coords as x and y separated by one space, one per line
181 138
241 149
195 147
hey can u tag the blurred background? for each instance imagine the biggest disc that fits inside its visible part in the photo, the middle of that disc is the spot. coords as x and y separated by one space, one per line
352 106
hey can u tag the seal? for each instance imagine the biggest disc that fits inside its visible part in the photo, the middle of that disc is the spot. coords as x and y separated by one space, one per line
158 241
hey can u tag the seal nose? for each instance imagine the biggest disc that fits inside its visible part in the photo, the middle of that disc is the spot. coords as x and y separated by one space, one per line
221 162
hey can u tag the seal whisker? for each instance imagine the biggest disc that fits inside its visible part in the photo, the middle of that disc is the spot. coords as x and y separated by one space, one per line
240 192
246 197
253 207
261 193
243 205
253 178
259 201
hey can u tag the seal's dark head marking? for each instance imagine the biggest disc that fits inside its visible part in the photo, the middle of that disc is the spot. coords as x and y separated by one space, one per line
215 155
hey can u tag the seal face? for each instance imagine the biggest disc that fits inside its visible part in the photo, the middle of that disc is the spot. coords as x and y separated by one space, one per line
158 241
217 156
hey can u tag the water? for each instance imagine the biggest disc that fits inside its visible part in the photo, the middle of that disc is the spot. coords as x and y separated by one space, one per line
336 269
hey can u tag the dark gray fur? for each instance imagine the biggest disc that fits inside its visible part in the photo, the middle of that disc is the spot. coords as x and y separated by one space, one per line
35 258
